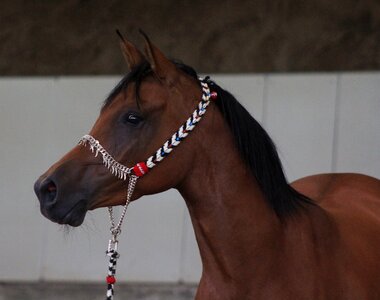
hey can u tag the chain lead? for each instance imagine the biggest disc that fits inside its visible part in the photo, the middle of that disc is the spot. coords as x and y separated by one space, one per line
113 242
116 229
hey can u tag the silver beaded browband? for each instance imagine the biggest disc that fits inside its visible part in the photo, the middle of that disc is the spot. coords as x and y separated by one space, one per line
141 168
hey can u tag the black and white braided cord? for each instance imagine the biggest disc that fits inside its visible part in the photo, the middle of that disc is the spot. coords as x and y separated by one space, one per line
113 255
184 130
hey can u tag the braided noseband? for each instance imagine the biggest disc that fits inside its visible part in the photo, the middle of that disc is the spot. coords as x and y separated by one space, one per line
139 170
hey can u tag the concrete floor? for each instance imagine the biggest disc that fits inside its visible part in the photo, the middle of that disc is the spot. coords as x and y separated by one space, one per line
94 291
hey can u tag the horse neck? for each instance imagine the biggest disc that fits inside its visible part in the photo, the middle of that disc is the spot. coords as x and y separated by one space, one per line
233 224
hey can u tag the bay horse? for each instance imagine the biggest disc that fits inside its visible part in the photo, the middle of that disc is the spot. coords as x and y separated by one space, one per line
259 236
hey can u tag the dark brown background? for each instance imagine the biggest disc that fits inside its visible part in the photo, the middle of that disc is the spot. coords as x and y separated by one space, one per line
77 36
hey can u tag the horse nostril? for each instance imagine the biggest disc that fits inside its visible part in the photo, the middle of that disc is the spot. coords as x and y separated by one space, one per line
51 188
48 192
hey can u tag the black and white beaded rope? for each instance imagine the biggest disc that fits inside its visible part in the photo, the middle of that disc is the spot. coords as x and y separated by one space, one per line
139 170
185 129
113 242
113 255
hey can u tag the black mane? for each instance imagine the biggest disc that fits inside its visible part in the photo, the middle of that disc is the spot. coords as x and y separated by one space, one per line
259 153
252 141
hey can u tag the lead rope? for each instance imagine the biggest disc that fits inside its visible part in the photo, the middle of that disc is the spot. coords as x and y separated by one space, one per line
113 242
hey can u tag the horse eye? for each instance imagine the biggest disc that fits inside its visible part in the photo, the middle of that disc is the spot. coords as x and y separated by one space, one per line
132 119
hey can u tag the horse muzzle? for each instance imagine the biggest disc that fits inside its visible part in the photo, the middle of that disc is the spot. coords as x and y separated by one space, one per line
56 206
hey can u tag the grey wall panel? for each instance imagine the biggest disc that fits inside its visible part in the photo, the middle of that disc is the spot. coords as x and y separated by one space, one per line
153 237
358 124
299 115
248 89
24 121
76 254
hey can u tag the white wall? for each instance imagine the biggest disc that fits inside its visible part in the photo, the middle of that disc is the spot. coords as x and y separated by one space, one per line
320 122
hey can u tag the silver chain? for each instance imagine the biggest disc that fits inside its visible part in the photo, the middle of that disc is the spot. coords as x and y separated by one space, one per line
116 229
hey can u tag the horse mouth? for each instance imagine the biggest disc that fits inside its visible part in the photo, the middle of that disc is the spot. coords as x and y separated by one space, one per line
76 214
73 217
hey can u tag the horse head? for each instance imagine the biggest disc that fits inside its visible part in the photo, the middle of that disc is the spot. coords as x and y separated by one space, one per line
150 103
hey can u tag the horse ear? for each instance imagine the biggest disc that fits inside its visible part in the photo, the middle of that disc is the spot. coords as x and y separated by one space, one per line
160 64
132 55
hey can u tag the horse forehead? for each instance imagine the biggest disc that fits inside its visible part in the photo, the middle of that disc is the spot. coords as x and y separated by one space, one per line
152 93
128 95
149 86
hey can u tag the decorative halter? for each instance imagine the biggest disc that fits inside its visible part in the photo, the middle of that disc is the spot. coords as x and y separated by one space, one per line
139 170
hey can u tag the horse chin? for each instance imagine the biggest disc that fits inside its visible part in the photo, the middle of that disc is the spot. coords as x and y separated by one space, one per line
73 217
